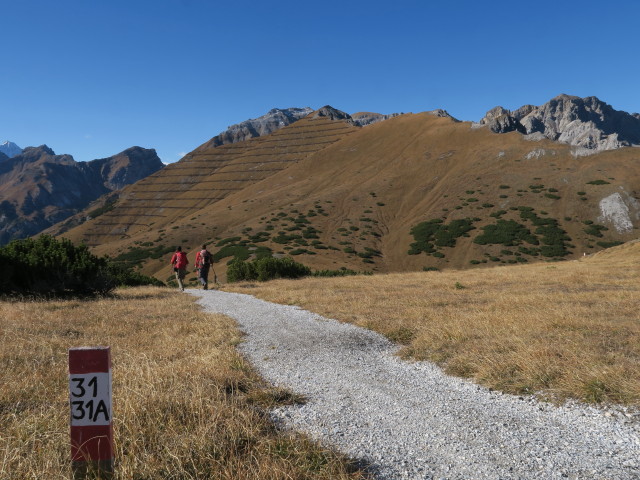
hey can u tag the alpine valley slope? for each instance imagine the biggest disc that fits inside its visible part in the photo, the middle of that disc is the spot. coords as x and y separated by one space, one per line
333 194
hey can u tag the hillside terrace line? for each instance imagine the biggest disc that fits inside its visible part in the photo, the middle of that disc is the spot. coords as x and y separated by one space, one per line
190 170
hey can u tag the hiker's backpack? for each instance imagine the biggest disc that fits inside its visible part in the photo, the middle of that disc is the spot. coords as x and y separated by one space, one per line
205 258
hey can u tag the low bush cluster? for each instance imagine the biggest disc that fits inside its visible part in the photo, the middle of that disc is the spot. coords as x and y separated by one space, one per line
45 266
264 269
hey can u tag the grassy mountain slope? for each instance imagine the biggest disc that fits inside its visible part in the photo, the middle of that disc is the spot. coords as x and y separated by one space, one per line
333 195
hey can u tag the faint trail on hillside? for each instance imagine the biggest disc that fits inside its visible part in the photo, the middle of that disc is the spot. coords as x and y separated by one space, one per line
409 420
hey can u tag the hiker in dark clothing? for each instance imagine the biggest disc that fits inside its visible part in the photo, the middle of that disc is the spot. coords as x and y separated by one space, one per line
204 262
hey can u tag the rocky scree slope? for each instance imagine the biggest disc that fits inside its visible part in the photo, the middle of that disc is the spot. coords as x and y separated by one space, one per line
587 123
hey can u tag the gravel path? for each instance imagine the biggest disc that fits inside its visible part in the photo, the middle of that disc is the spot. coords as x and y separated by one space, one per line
409 420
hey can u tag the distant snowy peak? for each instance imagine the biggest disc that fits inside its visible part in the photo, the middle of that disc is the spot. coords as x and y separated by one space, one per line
10 149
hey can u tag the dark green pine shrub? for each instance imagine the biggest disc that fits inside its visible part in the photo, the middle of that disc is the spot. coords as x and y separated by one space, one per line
435 233
595 230
505 232
266 269
45 266
608 244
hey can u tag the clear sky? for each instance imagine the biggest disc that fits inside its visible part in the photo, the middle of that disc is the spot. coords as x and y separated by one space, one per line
93 77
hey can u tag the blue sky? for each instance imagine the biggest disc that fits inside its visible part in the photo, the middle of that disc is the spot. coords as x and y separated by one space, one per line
93 77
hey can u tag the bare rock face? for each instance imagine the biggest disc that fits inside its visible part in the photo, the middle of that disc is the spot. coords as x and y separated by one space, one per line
500 120
438 112
587 123
333 114
39 188
274 120
362 119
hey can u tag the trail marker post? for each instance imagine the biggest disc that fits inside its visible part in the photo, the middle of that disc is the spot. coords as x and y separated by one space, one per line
90 411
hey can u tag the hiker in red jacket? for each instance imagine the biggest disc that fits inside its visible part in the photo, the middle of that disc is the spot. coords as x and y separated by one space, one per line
204 261
179 262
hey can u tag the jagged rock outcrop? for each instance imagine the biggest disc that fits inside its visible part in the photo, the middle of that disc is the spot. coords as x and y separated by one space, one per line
438 112
362 119
587 123
275 119
333 114
39 188
500 120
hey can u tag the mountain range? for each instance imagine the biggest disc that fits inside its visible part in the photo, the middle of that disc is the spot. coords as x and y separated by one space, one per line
39 188
404 192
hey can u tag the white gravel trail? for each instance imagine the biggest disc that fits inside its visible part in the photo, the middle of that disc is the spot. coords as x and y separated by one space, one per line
408 419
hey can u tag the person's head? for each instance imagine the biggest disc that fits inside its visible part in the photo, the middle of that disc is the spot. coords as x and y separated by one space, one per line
178 249
204 247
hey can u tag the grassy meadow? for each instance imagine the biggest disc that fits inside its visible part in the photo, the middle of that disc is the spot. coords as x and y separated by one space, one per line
560 330
186 404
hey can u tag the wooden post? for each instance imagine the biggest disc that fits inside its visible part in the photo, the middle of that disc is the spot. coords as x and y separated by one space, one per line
90 410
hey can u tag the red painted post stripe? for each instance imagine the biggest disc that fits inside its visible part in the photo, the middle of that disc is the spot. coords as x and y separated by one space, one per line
89 360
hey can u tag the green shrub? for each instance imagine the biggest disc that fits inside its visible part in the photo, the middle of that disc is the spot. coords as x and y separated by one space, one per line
227 241
237 251
505 232
598 182
136 255
552 196
595 230
45 266
266 269
107 207
608 244
435 233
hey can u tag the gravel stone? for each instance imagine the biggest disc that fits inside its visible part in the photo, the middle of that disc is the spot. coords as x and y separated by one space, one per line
408 420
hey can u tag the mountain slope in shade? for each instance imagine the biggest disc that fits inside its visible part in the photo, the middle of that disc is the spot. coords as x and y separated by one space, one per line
39 188
332 195
587 123
10 149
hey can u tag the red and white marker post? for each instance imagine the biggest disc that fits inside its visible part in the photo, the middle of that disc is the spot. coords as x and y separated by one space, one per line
91 414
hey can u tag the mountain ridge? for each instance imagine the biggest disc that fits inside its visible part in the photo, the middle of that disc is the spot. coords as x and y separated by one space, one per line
39 188
414 191
587 123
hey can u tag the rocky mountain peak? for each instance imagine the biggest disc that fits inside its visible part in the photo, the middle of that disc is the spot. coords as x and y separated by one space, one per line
439 112
10 149
273 120
587 123
332 113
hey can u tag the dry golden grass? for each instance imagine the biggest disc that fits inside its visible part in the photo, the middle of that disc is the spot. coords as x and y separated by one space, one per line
186 404
568 330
